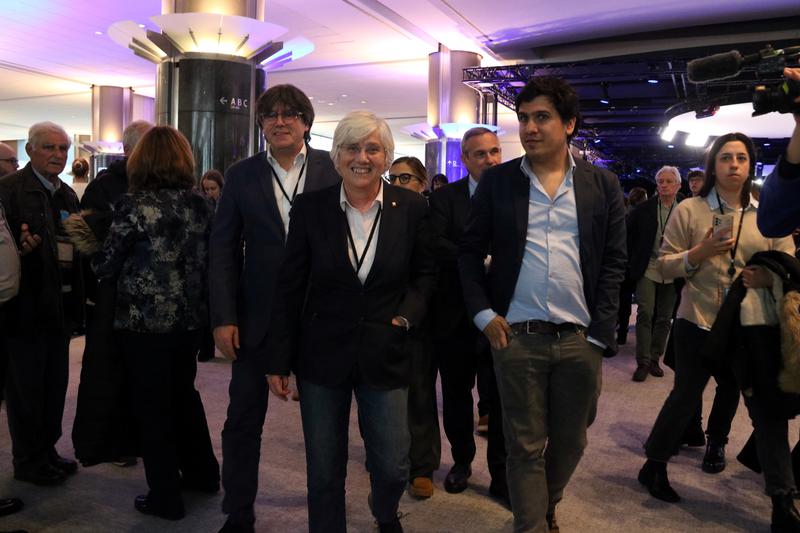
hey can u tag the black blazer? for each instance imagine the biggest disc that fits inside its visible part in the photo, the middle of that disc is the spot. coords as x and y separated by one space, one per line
642 227
499 218
449 207
326 326
247 215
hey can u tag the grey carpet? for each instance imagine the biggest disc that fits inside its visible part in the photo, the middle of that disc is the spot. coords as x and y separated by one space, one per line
603 496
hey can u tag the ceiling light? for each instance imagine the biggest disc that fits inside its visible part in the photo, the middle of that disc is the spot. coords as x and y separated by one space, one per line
670 146
142 26
697 138
604 101
766 144
669 133
363 101
330 103
596 141
98 32
652 81
344 96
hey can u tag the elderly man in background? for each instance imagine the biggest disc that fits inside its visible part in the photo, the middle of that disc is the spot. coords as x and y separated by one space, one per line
8 160
40 318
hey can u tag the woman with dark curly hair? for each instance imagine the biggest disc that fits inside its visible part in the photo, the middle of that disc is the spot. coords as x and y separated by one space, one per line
157 249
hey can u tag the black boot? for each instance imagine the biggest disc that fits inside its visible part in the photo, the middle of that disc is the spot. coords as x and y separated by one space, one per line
653 475
785 518
714 459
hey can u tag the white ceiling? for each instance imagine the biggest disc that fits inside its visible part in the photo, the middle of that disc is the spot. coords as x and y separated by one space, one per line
372 51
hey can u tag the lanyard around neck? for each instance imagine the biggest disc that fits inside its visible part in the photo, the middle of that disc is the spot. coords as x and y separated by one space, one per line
663 223
296 185
360 260
731 268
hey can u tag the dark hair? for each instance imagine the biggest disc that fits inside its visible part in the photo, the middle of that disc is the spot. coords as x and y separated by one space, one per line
415 164
80 168
473 132
215 176
711 167
162 159
439 178
695 174
287 97
559 92
637 196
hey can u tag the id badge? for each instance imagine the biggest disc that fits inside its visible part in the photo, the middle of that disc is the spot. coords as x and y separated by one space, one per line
66 252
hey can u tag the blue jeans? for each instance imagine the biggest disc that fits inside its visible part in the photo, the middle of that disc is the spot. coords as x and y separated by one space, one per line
383 415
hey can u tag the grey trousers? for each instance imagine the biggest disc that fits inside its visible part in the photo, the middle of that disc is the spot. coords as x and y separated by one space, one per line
655 303
548 389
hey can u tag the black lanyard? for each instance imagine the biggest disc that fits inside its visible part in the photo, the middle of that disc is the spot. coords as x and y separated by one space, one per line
360 260
663 224
296 185
731 268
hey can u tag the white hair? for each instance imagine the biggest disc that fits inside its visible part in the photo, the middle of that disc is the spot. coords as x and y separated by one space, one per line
40 128
357 126
132 134
670 170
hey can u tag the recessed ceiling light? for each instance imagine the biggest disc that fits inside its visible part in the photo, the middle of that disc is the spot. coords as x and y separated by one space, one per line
363 101
310 97
330 103
344 96
670 146
596 141
142 26
652 81
604 101
98 33
767 144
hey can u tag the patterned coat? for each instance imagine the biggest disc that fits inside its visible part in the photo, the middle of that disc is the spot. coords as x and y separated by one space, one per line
157 248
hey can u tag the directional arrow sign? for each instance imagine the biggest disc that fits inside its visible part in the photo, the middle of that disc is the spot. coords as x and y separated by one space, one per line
223 100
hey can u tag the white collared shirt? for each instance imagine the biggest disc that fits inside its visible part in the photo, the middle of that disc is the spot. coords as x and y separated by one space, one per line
289 180
360 227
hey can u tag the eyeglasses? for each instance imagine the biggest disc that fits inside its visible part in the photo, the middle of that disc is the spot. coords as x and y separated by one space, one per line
288 116
404 178
354 150
12 160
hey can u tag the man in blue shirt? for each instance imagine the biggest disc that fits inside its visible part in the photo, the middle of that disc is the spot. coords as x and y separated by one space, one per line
548 304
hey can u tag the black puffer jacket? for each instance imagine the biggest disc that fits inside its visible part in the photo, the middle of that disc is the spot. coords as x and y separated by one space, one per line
754 352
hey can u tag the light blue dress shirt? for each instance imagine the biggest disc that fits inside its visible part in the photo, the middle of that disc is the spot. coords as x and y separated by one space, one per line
550 282
472 185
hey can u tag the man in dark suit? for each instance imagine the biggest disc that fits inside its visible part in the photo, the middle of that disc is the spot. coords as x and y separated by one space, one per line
247 247
655 295
460 348
41 318
548 304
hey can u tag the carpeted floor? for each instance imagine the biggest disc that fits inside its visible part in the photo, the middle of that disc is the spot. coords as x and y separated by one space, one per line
603 496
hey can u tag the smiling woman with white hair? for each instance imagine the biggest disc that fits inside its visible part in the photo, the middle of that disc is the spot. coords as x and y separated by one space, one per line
358 272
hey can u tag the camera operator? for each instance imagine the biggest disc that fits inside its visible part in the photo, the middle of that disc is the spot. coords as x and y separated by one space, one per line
779 209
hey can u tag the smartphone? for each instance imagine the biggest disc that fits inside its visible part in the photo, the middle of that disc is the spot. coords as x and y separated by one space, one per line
722 226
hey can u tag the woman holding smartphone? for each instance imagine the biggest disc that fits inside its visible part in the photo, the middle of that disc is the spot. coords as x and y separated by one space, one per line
710 261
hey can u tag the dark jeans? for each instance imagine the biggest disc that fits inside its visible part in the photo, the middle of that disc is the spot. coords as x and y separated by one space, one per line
241 436
423 414
626 290
461 356
382 416
692 373
772 446
653 318
161 369
36 386
548 386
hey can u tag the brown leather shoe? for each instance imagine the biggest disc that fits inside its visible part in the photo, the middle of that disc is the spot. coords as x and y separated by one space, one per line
421 488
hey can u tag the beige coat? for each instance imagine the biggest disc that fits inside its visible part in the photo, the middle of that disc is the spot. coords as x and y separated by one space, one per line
706 285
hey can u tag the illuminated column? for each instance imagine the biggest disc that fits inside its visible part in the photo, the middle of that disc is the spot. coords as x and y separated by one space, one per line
452 109
111 112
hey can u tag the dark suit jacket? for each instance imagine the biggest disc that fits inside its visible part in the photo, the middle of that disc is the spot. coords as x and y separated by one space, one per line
327 326
499 217
642 227
247 215
449 207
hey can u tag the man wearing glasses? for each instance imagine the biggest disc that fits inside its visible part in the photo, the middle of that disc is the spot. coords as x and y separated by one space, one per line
8 160
247 247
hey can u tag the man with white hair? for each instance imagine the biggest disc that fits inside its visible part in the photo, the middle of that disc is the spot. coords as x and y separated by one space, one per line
39 320
655 295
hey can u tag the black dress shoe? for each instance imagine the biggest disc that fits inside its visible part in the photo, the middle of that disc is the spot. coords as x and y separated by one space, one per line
10 506
499 491
714 459
656 370
68 466
641 372
457 479
145 505
43 475
236 527
785 518
653 475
